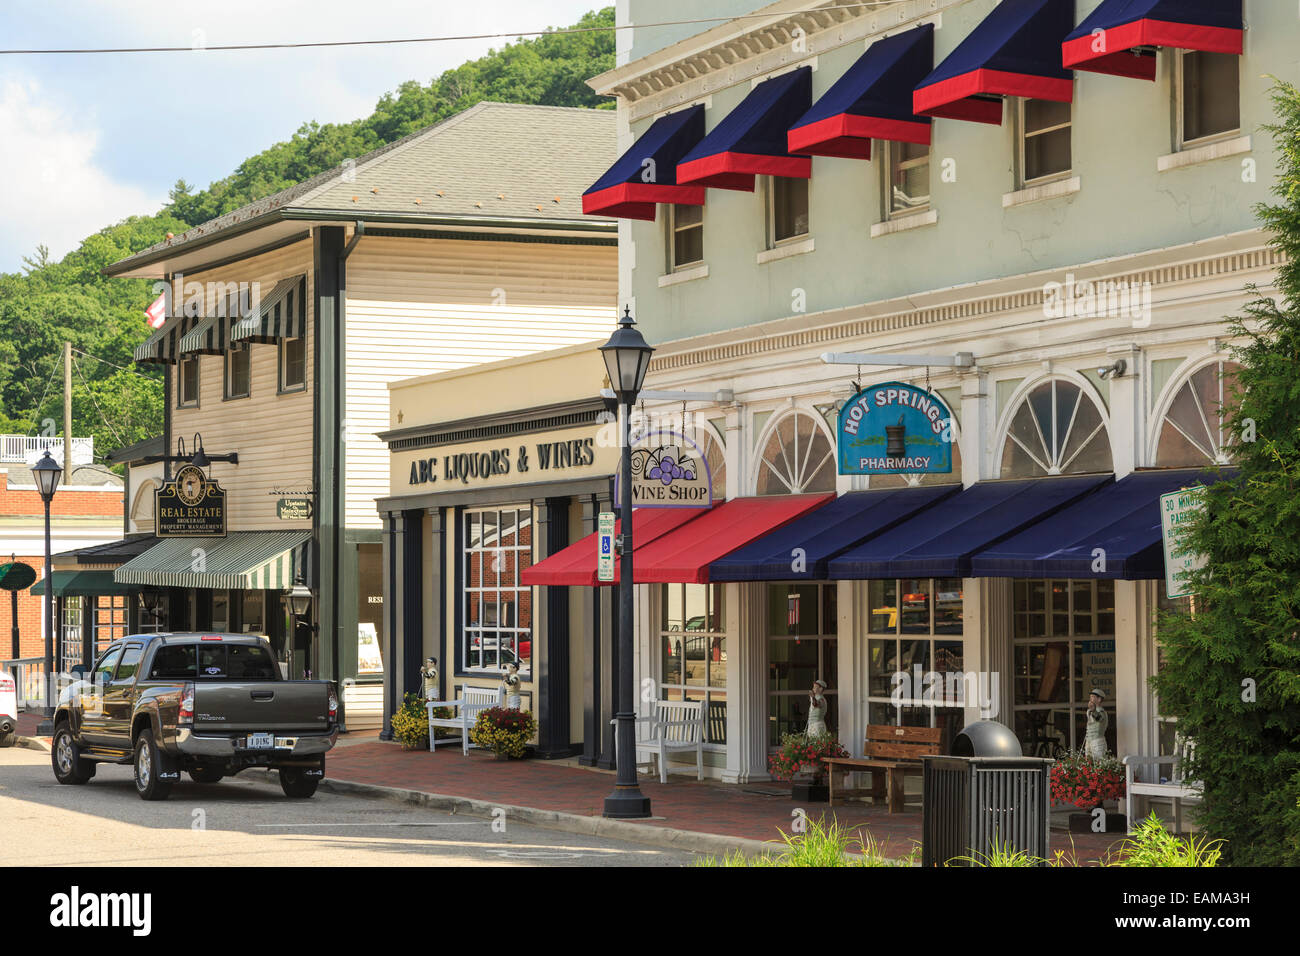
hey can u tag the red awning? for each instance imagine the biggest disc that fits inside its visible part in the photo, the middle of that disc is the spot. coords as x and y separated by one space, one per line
684 554
575 566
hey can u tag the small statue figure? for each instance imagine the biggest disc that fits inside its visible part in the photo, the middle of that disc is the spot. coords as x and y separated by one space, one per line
1094 739
429 678
817 709
510 686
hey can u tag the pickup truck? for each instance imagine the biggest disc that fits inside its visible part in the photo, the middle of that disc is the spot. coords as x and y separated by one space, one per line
209 705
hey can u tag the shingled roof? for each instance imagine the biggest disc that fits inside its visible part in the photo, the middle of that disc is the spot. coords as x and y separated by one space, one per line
493 161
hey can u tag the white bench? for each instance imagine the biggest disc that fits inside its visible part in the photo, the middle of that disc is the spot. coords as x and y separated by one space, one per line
466 707
1177 788
677 725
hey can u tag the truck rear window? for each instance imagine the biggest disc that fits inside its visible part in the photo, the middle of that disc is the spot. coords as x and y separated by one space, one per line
213 662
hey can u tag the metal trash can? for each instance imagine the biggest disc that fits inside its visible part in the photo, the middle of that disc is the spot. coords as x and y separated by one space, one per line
973 805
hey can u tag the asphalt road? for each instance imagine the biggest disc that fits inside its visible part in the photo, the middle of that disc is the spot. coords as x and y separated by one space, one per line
240 822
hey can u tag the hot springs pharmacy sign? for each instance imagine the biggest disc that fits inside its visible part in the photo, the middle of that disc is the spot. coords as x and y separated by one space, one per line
895 429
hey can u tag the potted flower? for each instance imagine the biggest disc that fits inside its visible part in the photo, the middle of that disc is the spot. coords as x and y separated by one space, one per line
503 730
1086 782
411 724
801 752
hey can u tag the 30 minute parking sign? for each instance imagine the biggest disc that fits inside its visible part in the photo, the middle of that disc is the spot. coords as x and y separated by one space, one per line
605 546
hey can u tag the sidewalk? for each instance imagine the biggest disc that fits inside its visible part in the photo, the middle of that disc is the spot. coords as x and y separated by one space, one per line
744 811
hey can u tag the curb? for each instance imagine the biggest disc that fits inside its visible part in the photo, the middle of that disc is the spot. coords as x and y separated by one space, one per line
665 837
33 743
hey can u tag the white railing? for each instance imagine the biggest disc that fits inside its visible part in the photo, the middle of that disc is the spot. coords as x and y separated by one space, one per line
29 676
28 448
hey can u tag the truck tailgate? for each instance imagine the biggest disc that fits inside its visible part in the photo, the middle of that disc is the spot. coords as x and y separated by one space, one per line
281 707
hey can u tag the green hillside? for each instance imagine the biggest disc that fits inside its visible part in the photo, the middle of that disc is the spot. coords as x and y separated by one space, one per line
50 302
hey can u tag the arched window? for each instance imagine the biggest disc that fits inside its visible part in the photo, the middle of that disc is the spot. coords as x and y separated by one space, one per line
713 453
1057 430
1192 431
796 458
142 509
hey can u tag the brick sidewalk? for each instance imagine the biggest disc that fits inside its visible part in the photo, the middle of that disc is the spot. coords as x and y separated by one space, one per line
751 811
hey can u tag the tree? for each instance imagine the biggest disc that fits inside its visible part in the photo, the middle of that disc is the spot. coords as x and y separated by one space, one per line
1232 673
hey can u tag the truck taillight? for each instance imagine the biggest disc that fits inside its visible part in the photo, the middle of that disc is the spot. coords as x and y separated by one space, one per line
334 707
186 711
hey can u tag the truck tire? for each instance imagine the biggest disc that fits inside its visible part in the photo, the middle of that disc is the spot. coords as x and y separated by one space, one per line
146 767
295 783
65 756
206 775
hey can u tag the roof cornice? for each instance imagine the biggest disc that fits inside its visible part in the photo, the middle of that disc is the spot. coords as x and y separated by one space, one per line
741 49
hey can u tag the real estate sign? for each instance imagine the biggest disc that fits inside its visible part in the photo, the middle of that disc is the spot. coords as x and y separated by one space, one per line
191 505
1176 511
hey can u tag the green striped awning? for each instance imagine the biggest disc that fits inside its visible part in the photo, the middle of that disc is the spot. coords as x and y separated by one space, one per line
162 347
208 337
281 315
248 560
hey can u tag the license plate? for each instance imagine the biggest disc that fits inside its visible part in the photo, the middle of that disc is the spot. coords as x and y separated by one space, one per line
260 741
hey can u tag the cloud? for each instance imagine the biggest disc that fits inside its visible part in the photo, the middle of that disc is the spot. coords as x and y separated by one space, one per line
52 192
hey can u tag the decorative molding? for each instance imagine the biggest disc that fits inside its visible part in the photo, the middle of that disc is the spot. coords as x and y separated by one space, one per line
1053 190
914 220
771 338
686 275
785 250
1204 154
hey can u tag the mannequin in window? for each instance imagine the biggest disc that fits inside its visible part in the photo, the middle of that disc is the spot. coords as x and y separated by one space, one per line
509 692
429 678
817 710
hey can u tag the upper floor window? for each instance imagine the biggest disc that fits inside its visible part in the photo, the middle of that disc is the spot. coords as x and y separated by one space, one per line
797 458
187 381
1208 87
908 188
238 371
293 364
1057 430
1193 433
787 209
686 242
1045 127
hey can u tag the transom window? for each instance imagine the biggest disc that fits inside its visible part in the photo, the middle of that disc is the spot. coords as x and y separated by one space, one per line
686 239
1193 432
908 188
797 458
693 651
787 208
1209 91
1044 141
802 626
1057 430
497 610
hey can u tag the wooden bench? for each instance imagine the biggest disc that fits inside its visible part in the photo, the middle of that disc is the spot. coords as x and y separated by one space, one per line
1177 788
676 725
466 707
889 754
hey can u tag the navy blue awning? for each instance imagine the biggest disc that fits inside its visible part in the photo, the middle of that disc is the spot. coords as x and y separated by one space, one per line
940 540
824 534
751 139
1120 36
647 173
872 100
1122 520
1015 51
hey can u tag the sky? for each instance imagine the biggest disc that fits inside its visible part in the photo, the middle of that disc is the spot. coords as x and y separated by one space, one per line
86 140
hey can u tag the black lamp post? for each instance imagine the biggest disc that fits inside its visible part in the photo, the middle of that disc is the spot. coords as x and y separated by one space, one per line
47 473
627 357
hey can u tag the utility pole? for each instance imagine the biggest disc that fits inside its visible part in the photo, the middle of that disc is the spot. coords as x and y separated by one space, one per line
67 476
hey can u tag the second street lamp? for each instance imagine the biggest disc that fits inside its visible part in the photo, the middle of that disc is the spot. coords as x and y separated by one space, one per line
627 357
47 473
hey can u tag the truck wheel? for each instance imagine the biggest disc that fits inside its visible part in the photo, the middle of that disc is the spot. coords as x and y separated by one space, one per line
295 783
147 766
206 775
69 766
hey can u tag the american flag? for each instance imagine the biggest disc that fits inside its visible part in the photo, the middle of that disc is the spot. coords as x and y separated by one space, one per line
156 314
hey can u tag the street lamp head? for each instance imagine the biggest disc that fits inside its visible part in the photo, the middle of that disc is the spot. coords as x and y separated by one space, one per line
627 357
300 599
47 473
200 459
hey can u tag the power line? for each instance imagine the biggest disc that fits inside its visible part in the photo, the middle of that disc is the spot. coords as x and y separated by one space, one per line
104 360
94 401
54 370
442 39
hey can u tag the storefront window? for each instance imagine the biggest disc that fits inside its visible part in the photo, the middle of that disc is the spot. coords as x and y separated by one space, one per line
497 610
915 655
370 609
252 619
1192 433
802 626
1057 430
220 611
693 651
1064 636
797 458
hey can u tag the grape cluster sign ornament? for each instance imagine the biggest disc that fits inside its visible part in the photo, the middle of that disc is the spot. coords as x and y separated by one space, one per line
895 429
668 471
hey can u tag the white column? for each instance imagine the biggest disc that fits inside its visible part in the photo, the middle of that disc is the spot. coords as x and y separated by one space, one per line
746 685
1132 695
1127 411
735 452
851 654
977 459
